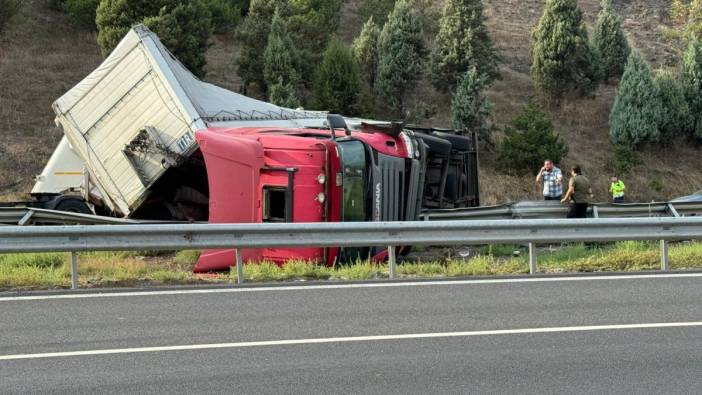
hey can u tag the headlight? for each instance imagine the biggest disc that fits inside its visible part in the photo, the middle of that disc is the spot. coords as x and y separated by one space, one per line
412 149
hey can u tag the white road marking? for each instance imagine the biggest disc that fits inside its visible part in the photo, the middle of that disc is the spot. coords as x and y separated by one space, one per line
348 339
350 286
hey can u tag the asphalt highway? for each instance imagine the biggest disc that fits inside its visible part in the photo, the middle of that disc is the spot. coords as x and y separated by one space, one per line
570 335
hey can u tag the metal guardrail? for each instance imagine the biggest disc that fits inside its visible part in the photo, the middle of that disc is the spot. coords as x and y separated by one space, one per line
518 210
31 215
345 234
553 209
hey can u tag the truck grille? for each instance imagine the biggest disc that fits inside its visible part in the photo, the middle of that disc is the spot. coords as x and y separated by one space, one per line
395 190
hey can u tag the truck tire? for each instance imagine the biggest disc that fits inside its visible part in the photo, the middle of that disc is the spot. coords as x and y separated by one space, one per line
73 206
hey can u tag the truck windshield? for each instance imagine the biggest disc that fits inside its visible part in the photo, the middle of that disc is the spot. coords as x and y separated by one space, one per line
355 180
353 160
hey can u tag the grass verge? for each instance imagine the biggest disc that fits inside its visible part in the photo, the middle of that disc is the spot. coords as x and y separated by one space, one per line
96 269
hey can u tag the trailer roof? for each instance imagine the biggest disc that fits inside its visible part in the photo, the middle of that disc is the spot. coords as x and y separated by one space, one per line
203 101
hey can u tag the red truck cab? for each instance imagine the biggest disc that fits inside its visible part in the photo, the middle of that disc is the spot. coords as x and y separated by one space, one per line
268 175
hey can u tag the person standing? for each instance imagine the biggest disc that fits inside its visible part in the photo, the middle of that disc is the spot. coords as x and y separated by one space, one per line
578 195
616 188
550 179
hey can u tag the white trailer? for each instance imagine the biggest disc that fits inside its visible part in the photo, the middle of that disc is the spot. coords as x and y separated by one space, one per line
134 117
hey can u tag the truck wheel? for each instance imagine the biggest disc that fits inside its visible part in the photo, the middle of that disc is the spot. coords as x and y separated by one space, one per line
73 206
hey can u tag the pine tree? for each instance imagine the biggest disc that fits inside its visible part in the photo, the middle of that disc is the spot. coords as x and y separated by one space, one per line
338 85
637 110
365 50
562 60
692 84
528 140
609 42
284 94
675 119
470 108
463 42
252 35
184 27
279 57
400 50
312 23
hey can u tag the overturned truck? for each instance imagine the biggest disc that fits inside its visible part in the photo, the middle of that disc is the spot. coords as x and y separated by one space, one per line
155 142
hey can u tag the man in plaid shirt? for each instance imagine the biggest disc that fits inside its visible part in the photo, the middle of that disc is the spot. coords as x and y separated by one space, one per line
550 179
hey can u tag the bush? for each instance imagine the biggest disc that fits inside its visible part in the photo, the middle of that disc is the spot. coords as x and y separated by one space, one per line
400 50
365 50
625 159
225 13
312 23
637 110
252 33
82 12
184 27
470 108
463 43
562 60
338 85
692 85
687 18
610 43
279 56
8 9
529 140
284 94
675 118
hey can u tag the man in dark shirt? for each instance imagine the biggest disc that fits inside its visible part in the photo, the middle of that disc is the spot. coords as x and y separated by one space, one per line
578 195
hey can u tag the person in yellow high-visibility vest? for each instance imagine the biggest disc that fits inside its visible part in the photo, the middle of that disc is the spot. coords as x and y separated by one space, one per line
617 188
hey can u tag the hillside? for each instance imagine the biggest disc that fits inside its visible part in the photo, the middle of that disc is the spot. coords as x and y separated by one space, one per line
42 55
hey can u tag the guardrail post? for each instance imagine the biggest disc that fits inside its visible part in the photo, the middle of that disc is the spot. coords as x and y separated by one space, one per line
532 258
665 264
239 267
74 270
391 261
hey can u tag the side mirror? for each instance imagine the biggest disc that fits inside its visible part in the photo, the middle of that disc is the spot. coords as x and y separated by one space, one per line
336 121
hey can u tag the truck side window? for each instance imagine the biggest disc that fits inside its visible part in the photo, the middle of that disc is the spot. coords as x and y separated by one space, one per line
274 204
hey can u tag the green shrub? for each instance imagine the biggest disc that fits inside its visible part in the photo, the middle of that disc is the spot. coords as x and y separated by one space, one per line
82 12
252 35
687 18
225 13
692 85
609 42
284 94
338 84
625 159
400 51
184 27
637 110
365 50
470 107
529 140
8 9
562 61
675 119
463 43
312 23
280 56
